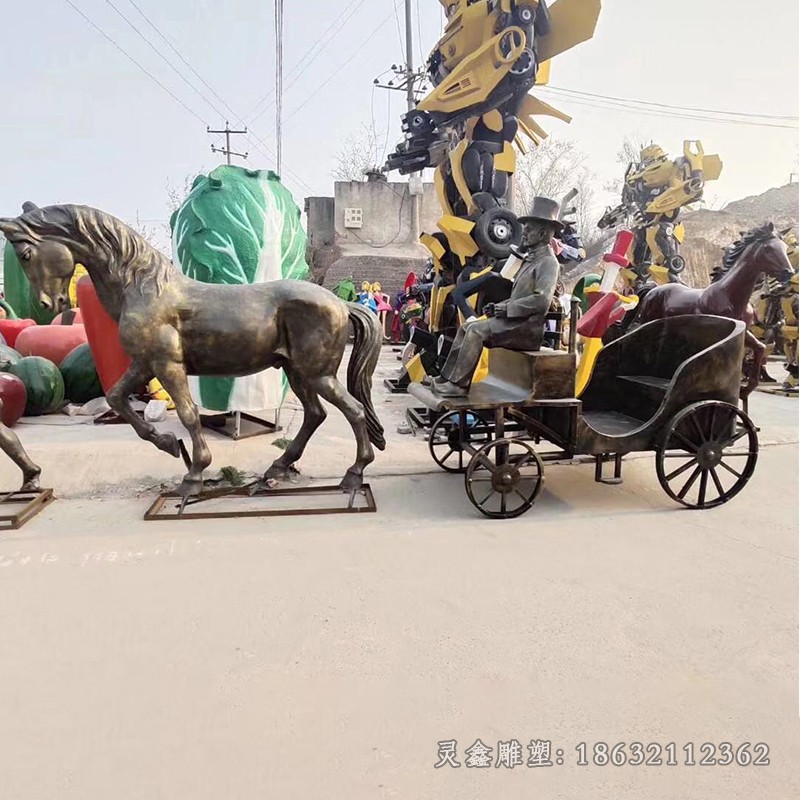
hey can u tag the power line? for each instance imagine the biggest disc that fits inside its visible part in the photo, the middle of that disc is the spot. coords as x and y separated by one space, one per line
180 56
162 56
671 107
356 53
134 61
607 106
263 149
313 51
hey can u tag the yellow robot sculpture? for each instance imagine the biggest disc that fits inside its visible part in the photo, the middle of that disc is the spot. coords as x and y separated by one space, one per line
653 193
491 54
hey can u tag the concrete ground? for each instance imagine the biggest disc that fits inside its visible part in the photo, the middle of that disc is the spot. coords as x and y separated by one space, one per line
325 657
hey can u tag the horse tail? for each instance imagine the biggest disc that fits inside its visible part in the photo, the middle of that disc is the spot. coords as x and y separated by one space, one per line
367 341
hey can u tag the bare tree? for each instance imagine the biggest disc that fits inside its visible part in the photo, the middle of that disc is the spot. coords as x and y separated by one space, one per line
551 170
630 151
359 153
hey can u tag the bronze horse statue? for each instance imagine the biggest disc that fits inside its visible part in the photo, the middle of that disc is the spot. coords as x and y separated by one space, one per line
172 326
759 251
12 447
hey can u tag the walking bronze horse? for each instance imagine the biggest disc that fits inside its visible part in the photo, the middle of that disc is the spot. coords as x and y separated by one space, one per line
759 251
172 326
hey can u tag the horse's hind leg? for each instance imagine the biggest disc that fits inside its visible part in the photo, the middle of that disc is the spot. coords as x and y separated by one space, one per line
12 447
136 376
313 416
173 378
333 391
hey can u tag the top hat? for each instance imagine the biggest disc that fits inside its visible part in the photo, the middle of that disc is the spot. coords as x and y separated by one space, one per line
544 210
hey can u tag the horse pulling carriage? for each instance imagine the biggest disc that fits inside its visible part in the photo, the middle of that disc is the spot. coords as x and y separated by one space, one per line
670 386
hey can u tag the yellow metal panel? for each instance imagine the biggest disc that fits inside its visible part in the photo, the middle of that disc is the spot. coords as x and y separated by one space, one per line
482 370
433 244
573 22
507 160
534 107
438 296
543 74
680 232
712 167
415 370
458 174
475 78
441 194
459 235
493 120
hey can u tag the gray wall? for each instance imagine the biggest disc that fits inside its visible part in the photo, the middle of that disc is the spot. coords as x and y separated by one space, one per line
386 211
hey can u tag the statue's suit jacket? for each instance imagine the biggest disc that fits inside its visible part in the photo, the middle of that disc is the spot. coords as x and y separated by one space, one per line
531 295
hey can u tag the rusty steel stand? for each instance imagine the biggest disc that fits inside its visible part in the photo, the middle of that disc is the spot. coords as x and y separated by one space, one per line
34 500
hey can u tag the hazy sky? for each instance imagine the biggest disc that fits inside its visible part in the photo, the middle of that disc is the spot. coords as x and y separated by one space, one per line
81 123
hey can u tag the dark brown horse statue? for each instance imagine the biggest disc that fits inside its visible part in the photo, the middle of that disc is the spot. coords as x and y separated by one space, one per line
172 326
759 251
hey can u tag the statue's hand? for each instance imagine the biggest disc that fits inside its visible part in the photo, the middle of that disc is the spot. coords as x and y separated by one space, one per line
500 310
489 309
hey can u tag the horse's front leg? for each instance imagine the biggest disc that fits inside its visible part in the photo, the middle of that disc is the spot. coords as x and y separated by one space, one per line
172 375
136 376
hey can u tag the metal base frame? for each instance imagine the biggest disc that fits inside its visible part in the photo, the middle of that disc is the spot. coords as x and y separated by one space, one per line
599 460
158 512
234 431
34 500
397 385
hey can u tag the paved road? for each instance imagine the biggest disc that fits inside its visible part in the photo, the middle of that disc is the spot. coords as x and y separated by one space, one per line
325 658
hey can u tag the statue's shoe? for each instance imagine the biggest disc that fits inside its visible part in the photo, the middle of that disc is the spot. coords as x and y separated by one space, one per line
447 389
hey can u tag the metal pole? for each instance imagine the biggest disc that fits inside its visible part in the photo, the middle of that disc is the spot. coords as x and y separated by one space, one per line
228 142
411 105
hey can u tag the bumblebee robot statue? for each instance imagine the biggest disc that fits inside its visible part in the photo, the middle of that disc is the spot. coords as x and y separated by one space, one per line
491 54
653 193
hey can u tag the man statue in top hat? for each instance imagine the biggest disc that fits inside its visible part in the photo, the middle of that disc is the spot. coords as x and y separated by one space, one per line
516 323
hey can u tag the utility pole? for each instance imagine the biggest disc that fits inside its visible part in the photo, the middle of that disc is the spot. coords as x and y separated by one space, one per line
410 79
227 149
407 80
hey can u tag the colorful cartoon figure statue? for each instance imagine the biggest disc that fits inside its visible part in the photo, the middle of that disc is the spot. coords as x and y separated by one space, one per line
491 54
239 226
654 191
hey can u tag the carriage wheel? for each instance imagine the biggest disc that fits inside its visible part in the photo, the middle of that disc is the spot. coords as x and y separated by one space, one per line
504 478
447 438
718 448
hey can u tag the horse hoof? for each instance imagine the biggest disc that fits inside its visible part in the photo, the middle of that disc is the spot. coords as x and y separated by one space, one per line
279 473
190 487
168 442
31 485
351 482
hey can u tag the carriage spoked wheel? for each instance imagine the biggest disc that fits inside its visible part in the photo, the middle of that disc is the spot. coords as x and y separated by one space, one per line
503 478
448 436
708 455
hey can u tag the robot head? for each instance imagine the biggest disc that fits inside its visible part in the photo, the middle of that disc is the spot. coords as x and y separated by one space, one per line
652 152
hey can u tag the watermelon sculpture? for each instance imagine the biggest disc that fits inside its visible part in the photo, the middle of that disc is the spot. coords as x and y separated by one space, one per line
81 382
43 382
8 356
239 226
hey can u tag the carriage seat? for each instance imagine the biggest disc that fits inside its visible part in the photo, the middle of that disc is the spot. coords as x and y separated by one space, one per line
514 377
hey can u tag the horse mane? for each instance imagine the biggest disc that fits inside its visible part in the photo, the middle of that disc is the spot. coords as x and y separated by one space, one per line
130 258
731 253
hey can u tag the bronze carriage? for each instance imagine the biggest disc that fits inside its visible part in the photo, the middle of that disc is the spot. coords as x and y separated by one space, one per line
670 386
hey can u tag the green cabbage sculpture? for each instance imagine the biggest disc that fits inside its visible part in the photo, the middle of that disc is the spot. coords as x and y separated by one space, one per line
239 226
